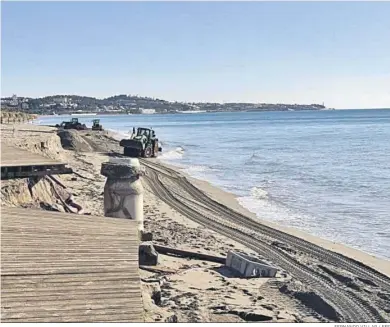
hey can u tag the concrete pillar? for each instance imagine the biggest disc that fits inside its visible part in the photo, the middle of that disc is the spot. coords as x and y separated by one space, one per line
123 191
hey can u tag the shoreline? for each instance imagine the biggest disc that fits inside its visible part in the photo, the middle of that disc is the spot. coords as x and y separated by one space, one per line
219 194
299 293
379 263
231 200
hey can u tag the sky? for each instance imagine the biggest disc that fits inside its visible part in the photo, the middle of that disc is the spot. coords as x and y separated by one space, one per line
275 52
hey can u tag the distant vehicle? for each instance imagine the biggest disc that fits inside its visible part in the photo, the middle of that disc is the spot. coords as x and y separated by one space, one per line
73 124
141 144
96 125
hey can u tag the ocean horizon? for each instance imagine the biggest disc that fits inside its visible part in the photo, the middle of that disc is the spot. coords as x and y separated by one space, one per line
324 172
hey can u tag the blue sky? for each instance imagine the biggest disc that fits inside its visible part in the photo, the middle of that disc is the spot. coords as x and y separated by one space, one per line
292 52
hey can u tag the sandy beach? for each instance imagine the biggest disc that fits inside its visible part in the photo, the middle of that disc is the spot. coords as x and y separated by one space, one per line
317 280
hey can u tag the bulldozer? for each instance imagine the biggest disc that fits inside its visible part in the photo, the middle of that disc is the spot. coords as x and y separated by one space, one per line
142 143
73 124
96 125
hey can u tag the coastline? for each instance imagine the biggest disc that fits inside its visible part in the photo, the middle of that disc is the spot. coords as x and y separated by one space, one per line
339 205
211 294
231 200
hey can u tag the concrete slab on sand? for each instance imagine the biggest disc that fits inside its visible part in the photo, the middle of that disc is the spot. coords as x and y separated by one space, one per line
59 267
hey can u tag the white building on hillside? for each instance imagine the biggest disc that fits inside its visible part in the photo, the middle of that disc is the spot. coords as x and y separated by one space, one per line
148 111
14 102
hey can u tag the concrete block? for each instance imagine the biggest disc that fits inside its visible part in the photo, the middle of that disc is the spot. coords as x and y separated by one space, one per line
146 236
148 256
248 266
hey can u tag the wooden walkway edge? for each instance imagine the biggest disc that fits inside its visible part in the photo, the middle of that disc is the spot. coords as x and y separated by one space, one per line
18 163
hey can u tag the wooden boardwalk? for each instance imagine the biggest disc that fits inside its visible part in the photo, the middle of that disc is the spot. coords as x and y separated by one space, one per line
58 267
18 163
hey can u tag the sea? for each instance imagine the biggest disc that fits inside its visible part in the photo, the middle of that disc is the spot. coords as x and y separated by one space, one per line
324 172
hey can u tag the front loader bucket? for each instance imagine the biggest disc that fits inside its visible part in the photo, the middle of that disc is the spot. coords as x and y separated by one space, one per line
135 144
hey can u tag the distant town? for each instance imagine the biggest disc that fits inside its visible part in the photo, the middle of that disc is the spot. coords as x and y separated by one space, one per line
130 104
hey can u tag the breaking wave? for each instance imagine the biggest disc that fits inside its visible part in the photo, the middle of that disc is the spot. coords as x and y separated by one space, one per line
191 170
258 193
173 154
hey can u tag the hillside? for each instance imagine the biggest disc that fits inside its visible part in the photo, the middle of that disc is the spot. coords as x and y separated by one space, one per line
66 104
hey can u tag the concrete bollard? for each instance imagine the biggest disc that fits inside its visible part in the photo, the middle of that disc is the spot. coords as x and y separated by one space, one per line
123 191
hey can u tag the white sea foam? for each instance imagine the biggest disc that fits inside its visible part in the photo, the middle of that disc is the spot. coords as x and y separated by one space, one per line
267 209
196 169
200 172
173 154
258 193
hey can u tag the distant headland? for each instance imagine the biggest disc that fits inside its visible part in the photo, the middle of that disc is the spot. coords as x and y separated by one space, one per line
131 104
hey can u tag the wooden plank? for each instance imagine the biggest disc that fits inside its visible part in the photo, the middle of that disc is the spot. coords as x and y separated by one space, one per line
76 288
68 304
75 312
81 294
82 225
49 290
39 171
129 296
63 270
38 257
93 241
16 214
60 277
85 233
78 313
67 268
13 157
27 249
18 163
111 224
52 214
88 317
189 254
